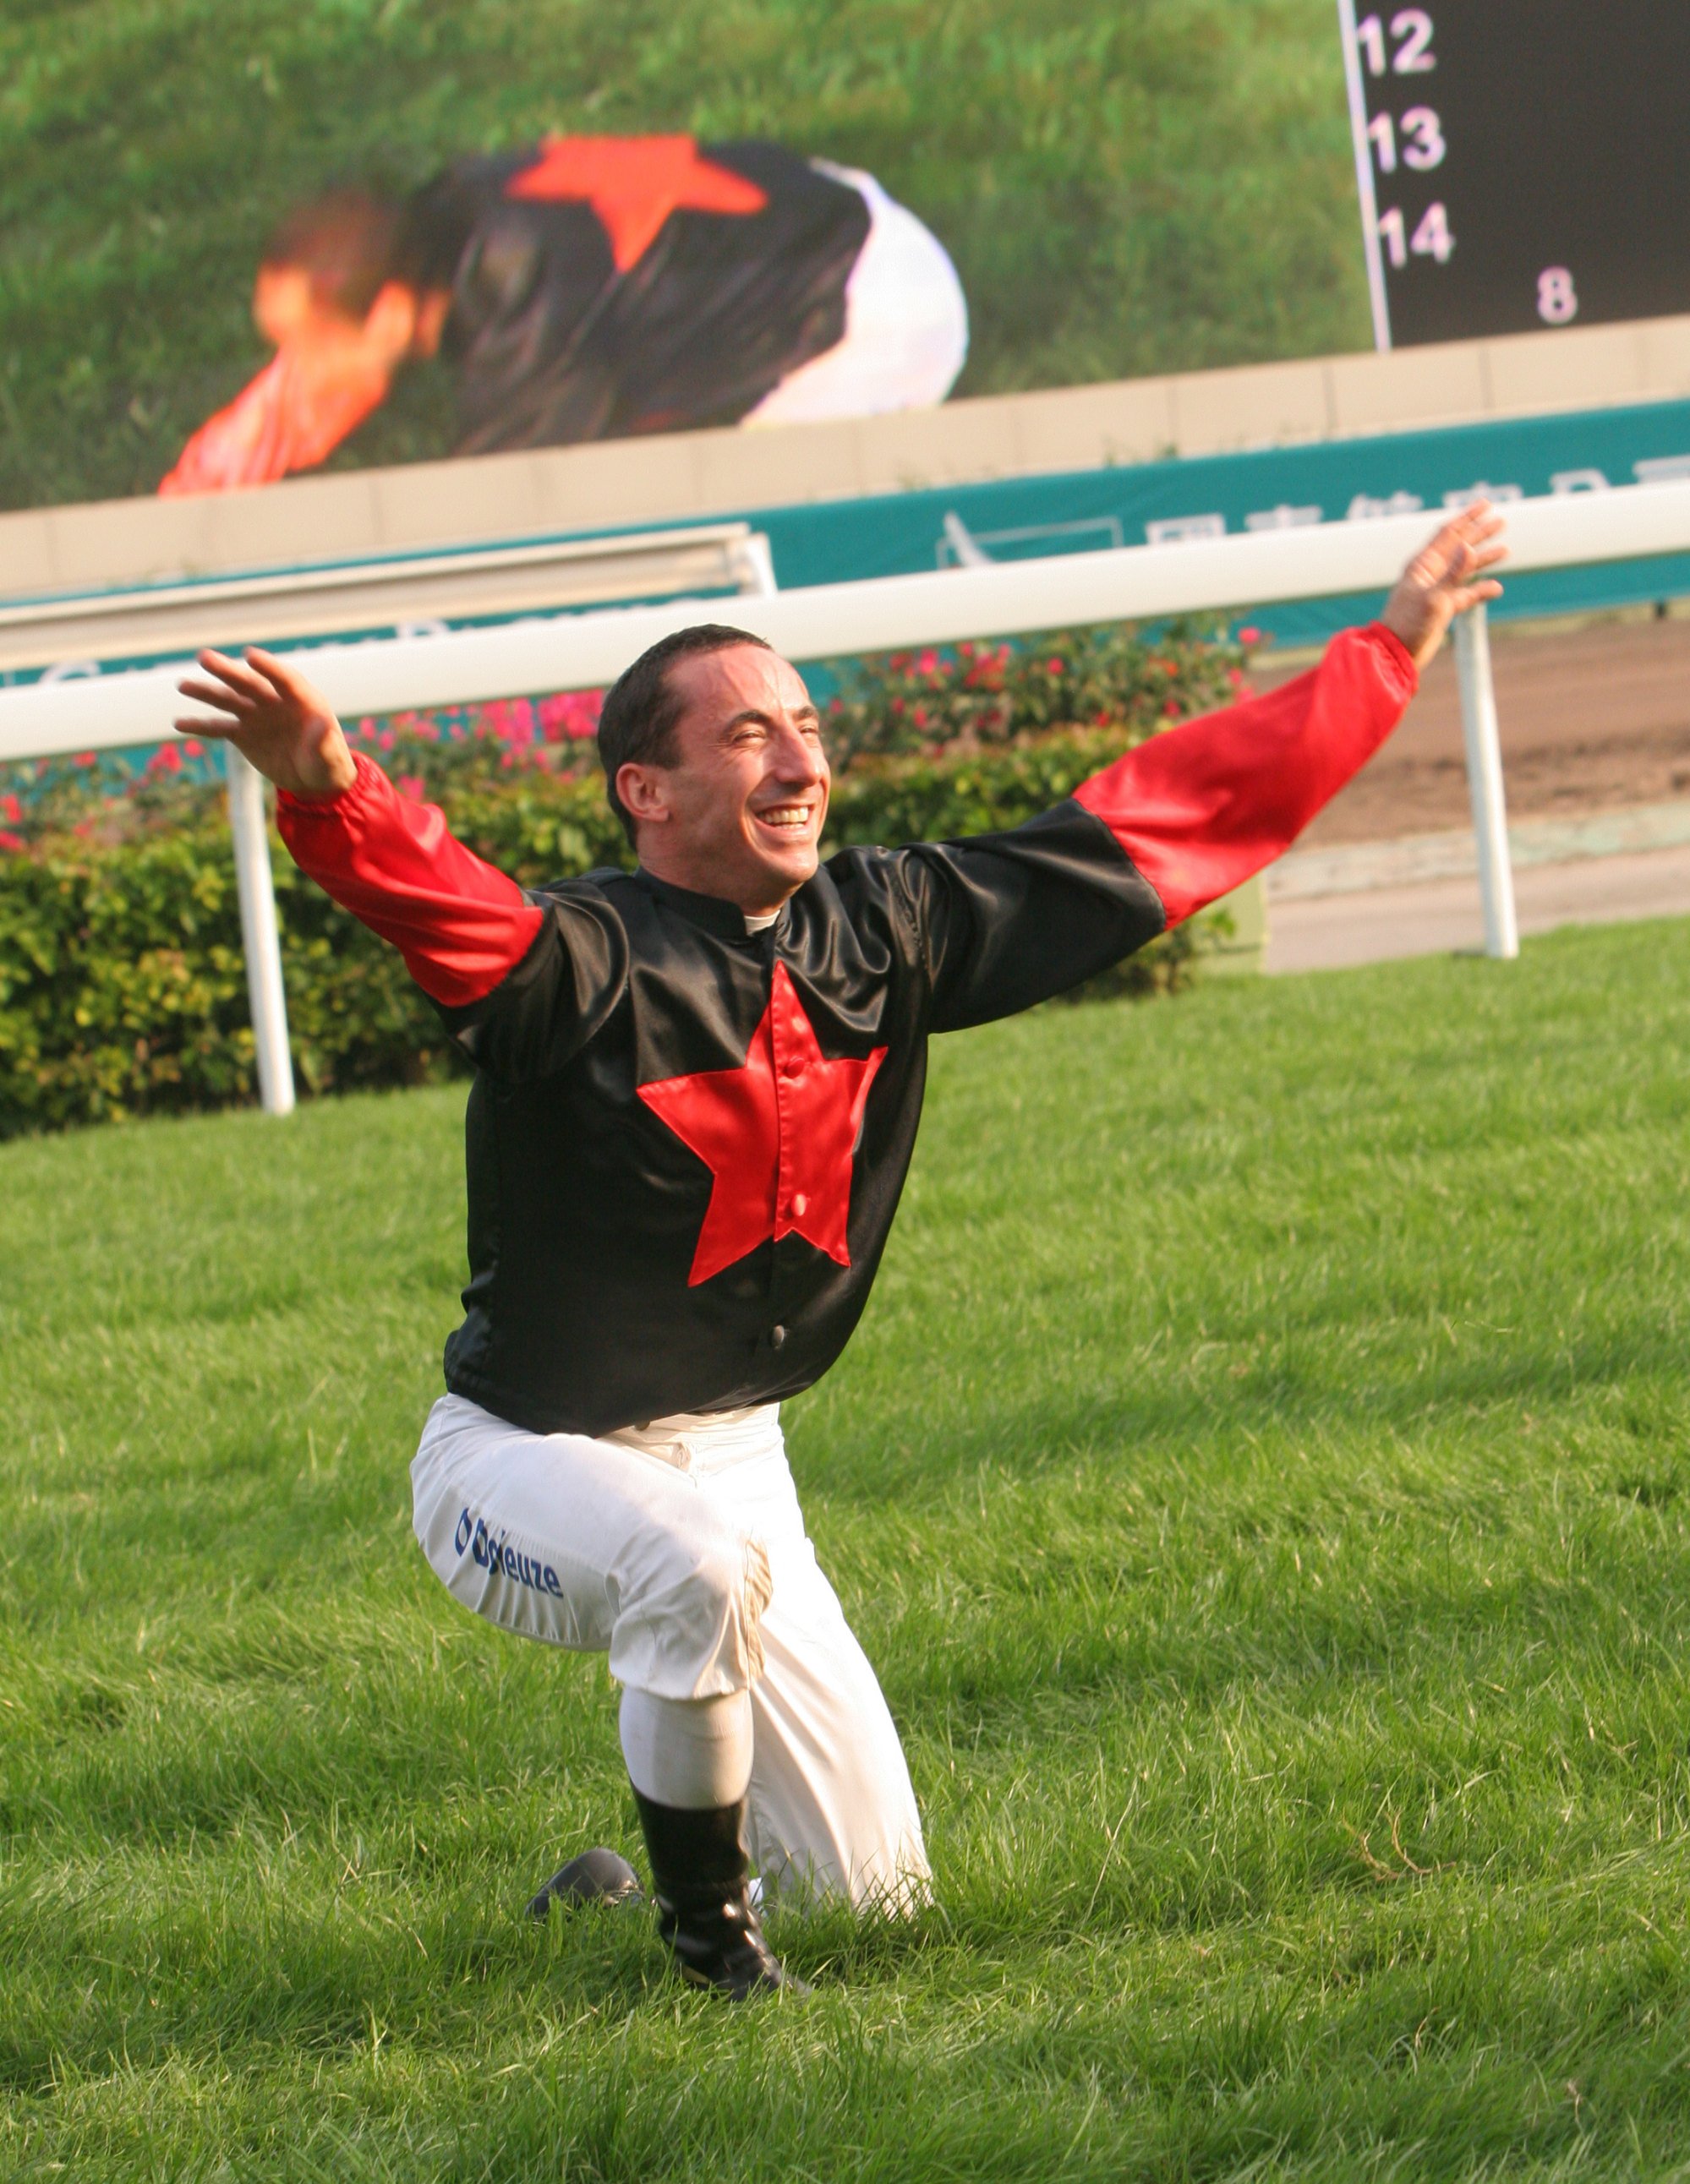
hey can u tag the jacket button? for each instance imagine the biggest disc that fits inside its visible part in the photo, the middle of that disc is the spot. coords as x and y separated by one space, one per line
777 1336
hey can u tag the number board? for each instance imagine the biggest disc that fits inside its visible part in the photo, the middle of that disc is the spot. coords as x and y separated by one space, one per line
1522 164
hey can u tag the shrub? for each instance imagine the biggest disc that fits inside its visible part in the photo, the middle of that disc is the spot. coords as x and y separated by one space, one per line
967 697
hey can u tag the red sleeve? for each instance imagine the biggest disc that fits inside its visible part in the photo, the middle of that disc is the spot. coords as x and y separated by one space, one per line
287 419
1202 807
460 925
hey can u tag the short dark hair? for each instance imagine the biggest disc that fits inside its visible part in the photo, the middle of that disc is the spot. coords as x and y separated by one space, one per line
346 241
640 713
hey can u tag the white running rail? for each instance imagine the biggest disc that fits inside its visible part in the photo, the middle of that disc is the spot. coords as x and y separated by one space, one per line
578 651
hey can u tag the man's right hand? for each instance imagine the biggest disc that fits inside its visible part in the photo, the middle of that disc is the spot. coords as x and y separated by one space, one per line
275 718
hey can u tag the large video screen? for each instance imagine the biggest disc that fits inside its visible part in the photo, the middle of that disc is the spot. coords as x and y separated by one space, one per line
1521 164
248 239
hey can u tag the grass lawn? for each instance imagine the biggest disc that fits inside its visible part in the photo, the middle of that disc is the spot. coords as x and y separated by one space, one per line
1127 186
1262 1481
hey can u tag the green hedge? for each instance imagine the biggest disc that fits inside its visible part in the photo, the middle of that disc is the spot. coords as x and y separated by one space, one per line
122 985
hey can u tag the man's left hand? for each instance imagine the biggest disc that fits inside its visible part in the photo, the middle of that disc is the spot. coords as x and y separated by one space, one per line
1444 579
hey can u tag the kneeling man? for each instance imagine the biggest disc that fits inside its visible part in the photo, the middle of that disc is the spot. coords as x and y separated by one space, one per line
696 1092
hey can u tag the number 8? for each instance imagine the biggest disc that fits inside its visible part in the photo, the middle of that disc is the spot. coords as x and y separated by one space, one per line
1557 299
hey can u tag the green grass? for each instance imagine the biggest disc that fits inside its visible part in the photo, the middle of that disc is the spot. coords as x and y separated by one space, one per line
1127 186
1262 1481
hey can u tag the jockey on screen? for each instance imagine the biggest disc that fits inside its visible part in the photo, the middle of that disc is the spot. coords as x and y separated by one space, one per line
589 288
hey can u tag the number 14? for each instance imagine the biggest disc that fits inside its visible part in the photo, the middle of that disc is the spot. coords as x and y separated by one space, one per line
1430 239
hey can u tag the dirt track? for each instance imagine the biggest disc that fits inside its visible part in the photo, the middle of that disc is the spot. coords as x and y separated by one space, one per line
1591 716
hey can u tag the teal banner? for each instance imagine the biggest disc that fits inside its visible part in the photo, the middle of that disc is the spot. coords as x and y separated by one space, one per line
1327 481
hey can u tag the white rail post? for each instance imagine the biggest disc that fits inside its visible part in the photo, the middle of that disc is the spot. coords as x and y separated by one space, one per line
1485 782
265 991
752 560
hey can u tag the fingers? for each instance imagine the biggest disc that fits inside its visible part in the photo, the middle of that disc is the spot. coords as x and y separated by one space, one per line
1474 595
1475 537
254 683
1467 545
234 689
227 684
211 694
286 679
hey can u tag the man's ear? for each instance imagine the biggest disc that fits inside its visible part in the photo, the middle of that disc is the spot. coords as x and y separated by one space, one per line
644 792
433 309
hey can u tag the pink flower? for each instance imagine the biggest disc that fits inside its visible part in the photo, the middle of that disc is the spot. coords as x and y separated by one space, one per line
167 758
387 740
83 759
1236 676
572 715
1057 666
11 809
1173 709
11 841
192 747
410 785
1248 635
927 663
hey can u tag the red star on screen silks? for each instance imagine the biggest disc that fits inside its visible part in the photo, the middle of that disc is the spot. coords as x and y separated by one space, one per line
632 184
778 1134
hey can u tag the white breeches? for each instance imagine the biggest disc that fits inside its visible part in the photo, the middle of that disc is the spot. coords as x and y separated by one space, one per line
681 1551
906 325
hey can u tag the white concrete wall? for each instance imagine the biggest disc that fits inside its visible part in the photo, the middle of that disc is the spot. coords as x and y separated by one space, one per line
683 475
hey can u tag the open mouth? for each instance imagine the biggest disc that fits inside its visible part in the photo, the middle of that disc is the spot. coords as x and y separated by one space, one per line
790 819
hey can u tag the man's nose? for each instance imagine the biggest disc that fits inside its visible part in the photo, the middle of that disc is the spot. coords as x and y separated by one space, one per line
799 757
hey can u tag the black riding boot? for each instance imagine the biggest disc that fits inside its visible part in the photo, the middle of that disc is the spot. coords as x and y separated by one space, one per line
699 1870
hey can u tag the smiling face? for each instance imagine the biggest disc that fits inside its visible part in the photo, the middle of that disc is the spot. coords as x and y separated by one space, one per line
739 813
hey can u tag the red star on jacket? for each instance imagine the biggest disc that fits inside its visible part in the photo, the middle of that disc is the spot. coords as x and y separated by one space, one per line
632 184
778 1134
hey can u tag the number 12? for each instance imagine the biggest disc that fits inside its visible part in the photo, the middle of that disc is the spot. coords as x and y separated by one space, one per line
1412 28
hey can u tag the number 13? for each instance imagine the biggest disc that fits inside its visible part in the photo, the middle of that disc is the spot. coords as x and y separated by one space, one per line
1425 148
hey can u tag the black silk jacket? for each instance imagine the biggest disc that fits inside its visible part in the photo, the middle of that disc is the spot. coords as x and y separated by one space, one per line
585 1309
554 342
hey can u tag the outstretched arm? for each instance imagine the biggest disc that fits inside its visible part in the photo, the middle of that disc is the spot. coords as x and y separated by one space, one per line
1009 919
291 417
1201 807
460 925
